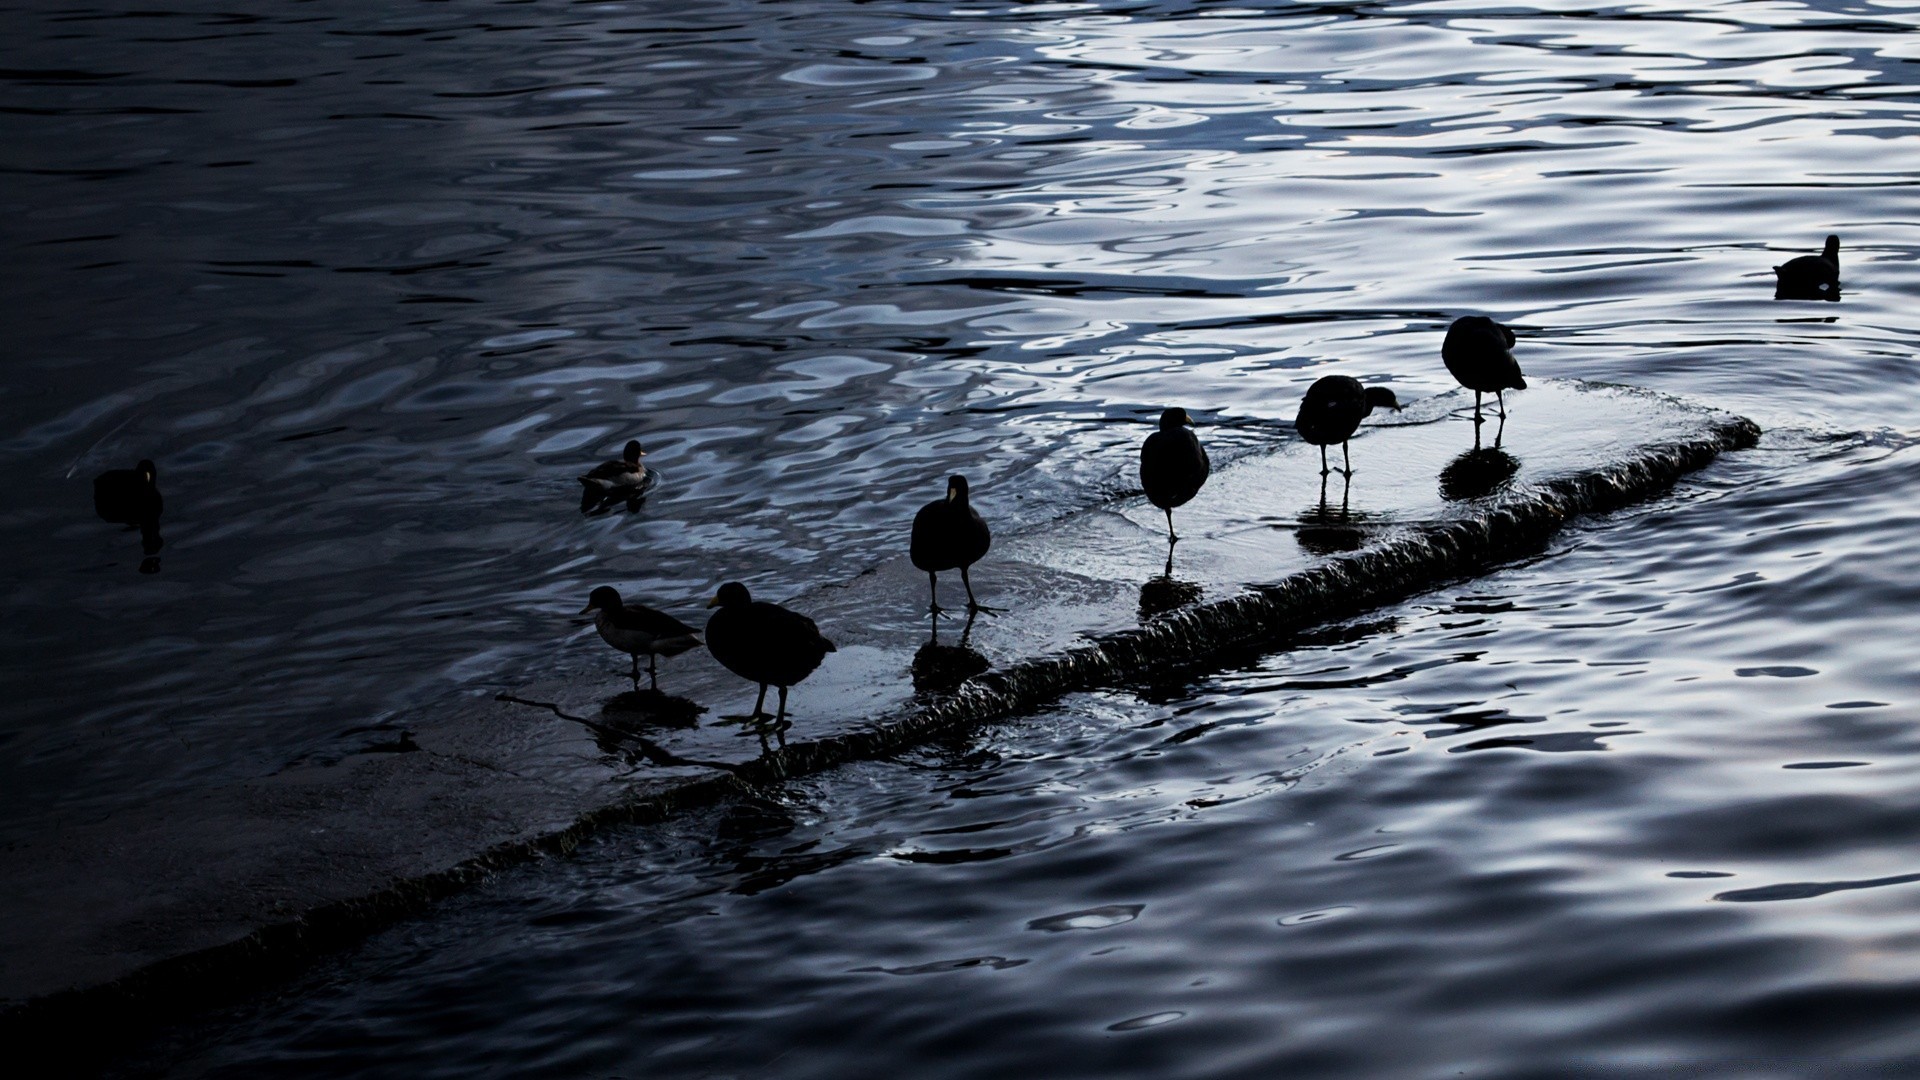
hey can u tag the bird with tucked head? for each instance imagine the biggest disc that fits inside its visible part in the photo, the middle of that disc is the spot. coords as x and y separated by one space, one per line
763 643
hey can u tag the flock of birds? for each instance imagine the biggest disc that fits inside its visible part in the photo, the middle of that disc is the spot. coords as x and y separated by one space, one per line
774 646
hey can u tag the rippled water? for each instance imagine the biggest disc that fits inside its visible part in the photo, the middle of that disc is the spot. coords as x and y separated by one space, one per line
372 284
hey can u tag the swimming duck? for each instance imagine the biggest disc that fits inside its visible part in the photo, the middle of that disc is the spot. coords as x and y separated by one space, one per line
763 643
1810 277
636 629
1332 410
1173 465
1478 352
128 496
947 533
617 477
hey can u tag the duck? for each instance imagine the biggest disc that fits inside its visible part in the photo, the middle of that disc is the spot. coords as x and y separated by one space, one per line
1810 277
636 629
949 533
128 496
1478 353
1173 465
763 643
622 476
1332 410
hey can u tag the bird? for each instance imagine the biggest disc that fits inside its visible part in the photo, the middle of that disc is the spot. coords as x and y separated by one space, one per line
636 629
1810 277
1478 352
128 496
1332 410
948 533
763 643
623 476
1173 465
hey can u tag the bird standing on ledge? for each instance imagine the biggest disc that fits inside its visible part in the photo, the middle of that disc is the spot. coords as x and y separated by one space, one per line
1478 352
636 629
1810 277
948 533
1173 465
1332 410
763 643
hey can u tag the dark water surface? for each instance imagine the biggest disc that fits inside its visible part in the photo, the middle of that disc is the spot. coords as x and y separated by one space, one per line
372 282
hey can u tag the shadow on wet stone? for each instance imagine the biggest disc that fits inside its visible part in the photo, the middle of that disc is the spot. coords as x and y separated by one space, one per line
940 669
1477 473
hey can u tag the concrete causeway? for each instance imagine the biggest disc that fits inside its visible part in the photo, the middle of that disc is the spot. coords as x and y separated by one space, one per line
155 911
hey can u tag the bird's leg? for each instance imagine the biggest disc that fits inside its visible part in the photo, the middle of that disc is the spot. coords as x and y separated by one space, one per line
653 672
1171 538
752 720
1477 418
634 674
974 606
1323 465
1498 433
933 595
760 703
1501 397
1347 461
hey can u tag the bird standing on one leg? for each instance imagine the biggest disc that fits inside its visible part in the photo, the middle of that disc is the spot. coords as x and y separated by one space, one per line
1173 466
1810 277
1332 410
636 629
1478 352
949 533
763 643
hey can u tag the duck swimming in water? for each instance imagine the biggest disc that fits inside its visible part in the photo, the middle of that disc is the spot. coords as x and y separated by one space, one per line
636 629
1479 354
763 643
1173 465
1810 277
128 496
613 478
1332 410
949 533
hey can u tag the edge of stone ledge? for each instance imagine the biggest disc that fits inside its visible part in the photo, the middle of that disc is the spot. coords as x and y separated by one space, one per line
1417 560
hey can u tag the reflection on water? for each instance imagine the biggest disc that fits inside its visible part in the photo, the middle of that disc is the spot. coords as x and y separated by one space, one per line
375 281
1477 473
1159 595
939 669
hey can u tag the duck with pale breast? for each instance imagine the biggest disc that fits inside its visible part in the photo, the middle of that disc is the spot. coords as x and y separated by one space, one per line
763 643
1810 277
1173 465
949 533
619 477
1332 410
636 629
1479 354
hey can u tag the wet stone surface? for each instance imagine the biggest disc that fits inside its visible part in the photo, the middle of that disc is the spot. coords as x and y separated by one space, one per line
171 892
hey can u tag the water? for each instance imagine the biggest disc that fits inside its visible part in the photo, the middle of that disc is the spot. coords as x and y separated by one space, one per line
371 286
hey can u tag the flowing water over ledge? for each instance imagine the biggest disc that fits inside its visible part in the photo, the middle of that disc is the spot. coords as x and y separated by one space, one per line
372 285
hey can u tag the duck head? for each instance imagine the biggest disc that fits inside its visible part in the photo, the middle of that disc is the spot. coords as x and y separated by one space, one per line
732 594
633 453
604 598
957 489
1174 419
1379 397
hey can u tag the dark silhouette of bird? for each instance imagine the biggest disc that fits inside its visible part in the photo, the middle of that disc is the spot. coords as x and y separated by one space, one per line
1332 410
1810 277
1478 352
763 643
636 629
949 533
1173 465
623 476
128 496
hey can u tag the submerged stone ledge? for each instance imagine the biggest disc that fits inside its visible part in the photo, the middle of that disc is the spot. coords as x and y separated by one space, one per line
161 910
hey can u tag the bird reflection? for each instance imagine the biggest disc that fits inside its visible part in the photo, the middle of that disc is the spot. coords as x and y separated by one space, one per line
1159 595
131 497
940 669
1477 473
650 708
1324 530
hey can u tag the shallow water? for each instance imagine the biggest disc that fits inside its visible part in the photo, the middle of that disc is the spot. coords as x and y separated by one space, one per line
373 286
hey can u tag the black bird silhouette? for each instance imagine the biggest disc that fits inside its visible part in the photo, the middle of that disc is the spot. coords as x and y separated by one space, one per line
1332 410
636 629
1173 465
611 477
948 533
1810 277
1478 352
132 497
763 643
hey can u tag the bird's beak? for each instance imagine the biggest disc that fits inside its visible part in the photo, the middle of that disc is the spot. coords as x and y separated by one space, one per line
586 610
715 602
952 494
